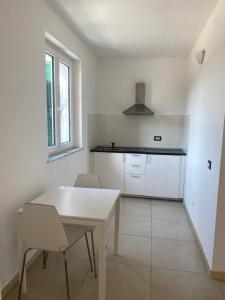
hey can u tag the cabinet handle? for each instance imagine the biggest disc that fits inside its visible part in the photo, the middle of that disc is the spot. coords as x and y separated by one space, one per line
135 176
136 166
135 154
148 158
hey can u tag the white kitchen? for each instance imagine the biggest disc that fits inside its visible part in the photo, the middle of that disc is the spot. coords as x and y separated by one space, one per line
113 150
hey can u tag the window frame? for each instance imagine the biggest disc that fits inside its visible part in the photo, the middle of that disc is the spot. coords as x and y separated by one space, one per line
60 57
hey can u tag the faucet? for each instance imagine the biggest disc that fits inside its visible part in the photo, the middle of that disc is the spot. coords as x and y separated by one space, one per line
113 144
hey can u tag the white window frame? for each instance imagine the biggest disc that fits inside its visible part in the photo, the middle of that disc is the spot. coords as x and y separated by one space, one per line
60 57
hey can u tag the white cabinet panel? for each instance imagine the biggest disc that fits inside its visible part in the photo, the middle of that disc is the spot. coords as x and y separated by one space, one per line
133 158
163 176
134 184
110 169
135 168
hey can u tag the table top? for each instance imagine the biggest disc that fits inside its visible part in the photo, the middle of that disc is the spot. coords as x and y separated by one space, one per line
80 203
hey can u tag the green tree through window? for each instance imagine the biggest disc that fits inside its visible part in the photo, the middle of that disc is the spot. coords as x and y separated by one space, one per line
49 65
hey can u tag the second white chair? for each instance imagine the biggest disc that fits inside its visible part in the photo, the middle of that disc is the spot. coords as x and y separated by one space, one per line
89 181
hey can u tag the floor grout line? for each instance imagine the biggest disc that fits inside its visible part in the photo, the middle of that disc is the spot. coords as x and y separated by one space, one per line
168 239
220 291
151 255
181 271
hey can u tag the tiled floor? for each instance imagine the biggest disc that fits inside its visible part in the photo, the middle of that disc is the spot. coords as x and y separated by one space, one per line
159 259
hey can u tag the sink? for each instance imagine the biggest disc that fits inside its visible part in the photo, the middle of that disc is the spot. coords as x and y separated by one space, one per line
107 148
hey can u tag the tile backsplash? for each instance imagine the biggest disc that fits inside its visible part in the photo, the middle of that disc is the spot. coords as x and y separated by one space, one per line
138 130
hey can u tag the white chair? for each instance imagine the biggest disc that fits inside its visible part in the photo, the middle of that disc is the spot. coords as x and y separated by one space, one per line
43 230
89 181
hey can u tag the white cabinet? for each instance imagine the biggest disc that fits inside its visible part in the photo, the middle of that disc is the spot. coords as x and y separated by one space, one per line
133 158
150 175
135 184
110 169
135 174
165 176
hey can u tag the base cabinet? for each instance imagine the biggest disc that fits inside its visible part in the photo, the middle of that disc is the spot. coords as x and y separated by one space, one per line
135 184
150 175
110 169
135 174
164 176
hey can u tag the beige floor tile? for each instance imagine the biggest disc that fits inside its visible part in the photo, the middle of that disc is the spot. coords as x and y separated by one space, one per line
123 282
177 255
177 229
132 250
80 250
49 283
221 285
136 207
13 296
173 285
168 210
131 225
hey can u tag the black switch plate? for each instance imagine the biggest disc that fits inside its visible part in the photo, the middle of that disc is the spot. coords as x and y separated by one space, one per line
209 164
157 138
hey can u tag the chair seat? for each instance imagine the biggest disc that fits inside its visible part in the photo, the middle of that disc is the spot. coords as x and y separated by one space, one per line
74 233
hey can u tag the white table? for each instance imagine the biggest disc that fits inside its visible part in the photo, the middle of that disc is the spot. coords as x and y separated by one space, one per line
81 206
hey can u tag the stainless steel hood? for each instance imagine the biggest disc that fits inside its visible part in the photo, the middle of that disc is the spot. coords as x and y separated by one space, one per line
139 108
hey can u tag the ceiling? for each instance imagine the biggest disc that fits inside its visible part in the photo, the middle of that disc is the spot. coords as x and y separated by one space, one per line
136 28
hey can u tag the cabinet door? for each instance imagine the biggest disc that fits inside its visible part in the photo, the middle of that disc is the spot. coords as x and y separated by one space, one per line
110 169
163 176
134 184
135 158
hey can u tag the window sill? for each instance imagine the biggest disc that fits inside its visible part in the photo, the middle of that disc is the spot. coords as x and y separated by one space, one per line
57 156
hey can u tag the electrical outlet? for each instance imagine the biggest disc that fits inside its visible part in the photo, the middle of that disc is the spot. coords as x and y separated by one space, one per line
209 164
157 138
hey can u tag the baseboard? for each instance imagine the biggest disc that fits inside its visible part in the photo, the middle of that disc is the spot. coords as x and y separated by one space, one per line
218 275
11 284
197 239
152 198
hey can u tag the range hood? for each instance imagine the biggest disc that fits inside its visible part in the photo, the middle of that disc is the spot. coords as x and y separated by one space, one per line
139 108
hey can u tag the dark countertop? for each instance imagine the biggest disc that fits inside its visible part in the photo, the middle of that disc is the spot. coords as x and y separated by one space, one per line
141 150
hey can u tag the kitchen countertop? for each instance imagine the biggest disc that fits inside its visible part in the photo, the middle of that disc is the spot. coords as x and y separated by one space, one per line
141 150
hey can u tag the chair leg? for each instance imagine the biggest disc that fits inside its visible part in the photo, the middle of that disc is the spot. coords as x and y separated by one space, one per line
67 276
45 258
93 251
22 273
89 253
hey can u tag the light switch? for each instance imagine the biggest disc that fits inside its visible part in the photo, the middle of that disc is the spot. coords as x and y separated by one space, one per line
157 138
209 164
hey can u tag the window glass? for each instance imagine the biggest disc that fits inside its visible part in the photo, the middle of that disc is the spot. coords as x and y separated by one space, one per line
64 74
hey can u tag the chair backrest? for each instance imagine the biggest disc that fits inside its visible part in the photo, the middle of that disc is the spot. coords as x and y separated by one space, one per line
88 181
42 228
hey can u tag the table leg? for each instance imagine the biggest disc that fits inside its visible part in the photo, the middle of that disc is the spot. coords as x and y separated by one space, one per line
20 251
117 225
102 262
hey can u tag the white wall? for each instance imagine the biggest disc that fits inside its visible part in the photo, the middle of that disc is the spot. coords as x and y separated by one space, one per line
165 79
138 131
24 171
206 106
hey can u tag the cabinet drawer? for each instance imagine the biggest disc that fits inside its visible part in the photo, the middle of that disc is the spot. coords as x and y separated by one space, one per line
134 168
134 184
133 158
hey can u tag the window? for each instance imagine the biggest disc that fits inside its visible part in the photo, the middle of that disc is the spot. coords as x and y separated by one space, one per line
59 70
